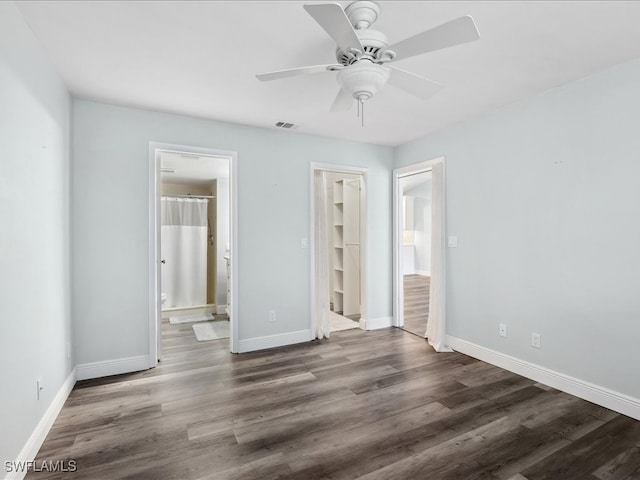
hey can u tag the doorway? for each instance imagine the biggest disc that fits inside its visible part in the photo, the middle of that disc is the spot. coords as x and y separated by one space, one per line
344 259
416 191
419 251
339 251
192 232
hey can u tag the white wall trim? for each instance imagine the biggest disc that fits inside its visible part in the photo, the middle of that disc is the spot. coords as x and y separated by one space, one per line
580 388
221 309
424 273
112 367
376 323
271 341
155 315
35 441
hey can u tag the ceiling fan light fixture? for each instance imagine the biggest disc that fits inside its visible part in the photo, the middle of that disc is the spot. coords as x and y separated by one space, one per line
361 53
364 79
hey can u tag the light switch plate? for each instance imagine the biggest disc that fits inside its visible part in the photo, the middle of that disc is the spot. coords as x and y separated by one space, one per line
304 242
452 242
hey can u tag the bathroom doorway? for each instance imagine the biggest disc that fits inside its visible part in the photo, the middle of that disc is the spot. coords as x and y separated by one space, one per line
193 243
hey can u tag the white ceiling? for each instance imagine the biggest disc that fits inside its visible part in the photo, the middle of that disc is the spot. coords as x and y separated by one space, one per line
192 169
200 58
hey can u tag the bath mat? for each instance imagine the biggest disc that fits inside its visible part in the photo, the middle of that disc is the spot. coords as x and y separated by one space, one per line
211 330
199 317
338 322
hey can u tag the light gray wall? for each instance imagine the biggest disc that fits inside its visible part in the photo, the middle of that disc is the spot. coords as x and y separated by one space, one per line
35 318
544 197
110 265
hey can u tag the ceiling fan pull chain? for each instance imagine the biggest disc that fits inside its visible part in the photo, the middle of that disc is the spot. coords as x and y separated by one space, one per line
362 113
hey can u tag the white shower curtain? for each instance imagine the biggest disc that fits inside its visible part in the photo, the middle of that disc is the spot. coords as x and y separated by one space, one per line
184 250
436 323
321 307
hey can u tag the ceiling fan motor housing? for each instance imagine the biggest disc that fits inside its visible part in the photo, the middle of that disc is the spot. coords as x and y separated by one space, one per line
372 41
364 77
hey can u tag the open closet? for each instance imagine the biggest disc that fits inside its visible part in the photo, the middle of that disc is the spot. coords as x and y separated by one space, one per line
344 230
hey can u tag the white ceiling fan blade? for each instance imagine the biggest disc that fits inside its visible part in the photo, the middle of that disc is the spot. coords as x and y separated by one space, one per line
295 72
416 85
335 22
456 32
343 101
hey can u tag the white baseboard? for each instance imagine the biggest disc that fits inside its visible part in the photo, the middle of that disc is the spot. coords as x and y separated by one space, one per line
376 323
35 441
597 394
424 273
112 367
271 341
176 312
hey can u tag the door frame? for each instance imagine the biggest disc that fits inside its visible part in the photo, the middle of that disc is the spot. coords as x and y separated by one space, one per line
155 313
365 284
398 280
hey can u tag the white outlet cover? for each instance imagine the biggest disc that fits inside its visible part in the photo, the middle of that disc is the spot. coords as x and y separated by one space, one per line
452 242
502 330
535 340
304 242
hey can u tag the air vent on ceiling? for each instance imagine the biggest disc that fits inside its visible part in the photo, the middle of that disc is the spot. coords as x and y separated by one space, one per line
286 125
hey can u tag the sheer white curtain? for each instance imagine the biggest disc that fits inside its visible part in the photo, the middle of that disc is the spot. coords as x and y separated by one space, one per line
321 307
184 250
436 323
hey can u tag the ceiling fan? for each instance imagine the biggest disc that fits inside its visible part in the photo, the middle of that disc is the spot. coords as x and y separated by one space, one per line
362 53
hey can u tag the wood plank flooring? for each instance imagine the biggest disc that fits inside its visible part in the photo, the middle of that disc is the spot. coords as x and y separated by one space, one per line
416 303
361 405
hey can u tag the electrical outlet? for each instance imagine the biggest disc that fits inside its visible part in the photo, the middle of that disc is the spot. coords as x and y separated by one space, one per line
502 330
535 340
452 242
304 242
272 315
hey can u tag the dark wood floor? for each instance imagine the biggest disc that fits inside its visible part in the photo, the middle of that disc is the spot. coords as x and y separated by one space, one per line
416 303
369 405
